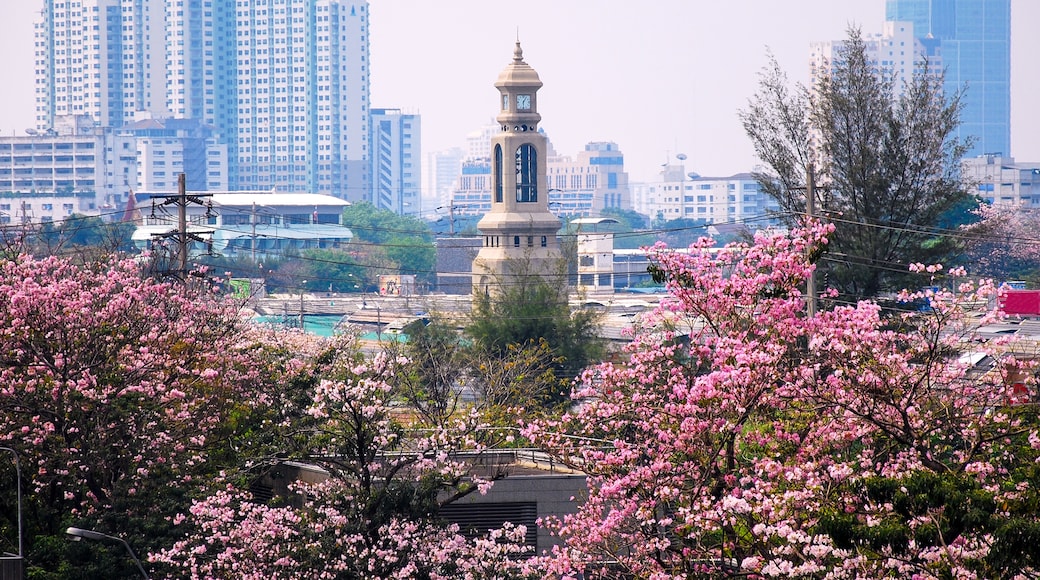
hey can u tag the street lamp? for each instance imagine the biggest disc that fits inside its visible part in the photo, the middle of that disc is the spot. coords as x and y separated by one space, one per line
77 534
17 474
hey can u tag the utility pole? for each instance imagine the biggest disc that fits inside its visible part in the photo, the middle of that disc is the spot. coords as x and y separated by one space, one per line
182 224
182 237
302 289
810 210
451 217
252 220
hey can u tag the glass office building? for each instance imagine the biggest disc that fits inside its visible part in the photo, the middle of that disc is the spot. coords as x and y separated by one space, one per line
975 43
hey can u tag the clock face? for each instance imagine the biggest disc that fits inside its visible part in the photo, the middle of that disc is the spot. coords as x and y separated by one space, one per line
523 102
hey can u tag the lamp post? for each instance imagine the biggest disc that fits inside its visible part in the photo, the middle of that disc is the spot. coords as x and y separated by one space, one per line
302 289
77 534
18 475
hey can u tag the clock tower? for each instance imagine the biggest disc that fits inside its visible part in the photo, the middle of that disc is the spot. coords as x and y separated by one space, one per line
519 233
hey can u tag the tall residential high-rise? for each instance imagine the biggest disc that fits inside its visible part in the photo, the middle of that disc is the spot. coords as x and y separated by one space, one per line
396 161
200 64
975 40
284 83
303 90
896 50
103 58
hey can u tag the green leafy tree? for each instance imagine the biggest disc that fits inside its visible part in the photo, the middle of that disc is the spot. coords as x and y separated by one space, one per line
406 240
87 236
884 156
533 309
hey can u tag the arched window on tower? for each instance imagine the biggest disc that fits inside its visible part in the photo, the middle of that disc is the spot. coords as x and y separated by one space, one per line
498 174
526 173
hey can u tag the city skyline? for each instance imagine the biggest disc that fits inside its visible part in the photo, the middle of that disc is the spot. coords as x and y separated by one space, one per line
667 78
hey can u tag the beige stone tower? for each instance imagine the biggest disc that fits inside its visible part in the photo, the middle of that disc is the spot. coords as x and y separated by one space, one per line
519 232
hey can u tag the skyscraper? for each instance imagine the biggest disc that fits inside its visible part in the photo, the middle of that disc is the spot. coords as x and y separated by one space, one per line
303 89
285 83
396 161
975 41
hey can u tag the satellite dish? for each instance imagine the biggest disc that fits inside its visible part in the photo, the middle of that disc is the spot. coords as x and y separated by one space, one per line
31 132
681 157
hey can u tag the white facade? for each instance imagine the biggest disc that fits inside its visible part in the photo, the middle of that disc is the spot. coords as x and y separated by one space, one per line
440 172
103 58
78 68
1001 181
396 161
49 177
478 142
709 200
896 51
168 147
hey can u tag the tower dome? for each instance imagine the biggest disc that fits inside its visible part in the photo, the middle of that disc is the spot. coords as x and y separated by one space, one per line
518 84
518 72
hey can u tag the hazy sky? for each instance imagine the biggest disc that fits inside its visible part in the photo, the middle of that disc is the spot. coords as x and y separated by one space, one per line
657 77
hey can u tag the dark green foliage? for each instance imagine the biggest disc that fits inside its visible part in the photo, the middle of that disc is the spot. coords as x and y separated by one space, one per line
437 362
406 241
80 234
955 505
885 161
535 310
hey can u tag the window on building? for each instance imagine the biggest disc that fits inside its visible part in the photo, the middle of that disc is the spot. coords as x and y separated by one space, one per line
498 173
526 173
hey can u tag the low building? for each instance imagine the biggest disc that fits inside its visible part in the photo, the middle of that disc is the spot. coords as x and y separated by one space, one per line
1001 180
247 224
74 168
708 200
455 264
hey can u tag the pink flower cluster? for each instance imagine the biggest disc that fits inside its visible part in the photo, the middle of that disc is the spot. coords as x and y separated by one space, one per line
741 428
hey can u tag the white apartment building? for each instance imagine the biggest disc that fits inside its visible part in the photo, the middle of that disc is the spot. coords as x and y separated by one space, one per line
285 83
47 177
200 45
103 58
896 50
396 161
1002 181
303 89
168 147
708 200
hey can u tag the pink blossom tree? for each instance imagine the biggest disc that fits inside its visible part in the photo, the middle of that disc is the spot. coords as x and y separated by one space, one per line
1002 243
114 389
375 516
744 438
